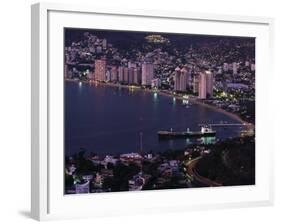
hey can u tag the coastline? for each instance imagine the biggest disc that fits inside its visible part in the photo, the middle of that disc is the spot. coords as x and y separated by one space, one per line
192 99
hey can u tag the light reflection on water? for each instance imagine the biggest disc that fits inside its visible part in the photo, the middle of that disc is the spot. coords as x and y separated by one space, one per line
109 119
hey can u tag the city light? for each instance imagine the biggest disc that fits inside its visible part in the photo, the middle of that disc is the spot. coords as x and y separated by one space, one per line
155 95
157 114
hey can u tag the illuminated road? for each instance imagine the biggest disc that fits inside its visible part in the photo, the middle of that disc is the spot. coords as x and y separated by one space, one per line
195 177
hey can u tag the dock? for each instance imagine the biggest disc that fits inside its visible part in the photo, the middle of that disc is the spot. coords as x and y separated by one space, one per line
205 132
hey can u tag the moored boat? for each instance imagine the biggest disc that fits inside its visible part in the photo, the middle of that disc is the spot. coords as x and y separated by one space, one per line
204 132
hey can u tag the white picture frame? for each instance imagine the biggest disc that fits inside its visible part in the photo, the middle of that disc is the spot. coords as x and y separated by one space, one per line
47 201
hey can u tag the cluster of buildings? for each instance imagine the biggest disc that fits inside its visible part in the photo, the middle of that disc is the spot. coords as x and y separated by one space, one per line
155 171
130 74
142 74
200 83
219 70
95 181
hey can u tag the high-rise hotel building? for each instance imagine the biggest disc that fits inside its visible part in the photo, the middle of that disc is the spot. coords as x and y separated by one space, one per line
131 75
177 79
120 73
137 76
206 84
202 90
210 83
147 73
100 70
195 83
181 79
126 75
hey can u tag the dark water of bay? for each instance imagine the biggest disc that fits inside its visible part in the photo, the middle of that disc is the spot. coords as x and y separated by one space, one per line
109 120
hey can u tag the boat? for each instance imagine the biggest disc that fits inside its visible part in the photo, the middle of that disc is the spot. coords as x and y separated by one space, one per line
204 132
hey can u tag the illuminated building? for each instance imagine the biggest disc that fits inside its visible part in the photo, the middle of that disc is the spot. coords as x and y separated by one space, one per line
131 71
126 75
155 83
137 76
206 84
130 156
90 74
195 83
114 74
100 70
225 67
234 68
104 43
177 79
131 65
188 77
131 75
253 67
210 82
181 79
147 73
202 87
108 76
66 72
99 49
219 70
121 74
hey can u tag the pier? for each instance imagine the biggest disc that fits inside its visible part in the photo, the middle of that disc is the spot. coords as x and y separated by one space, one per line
226 125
